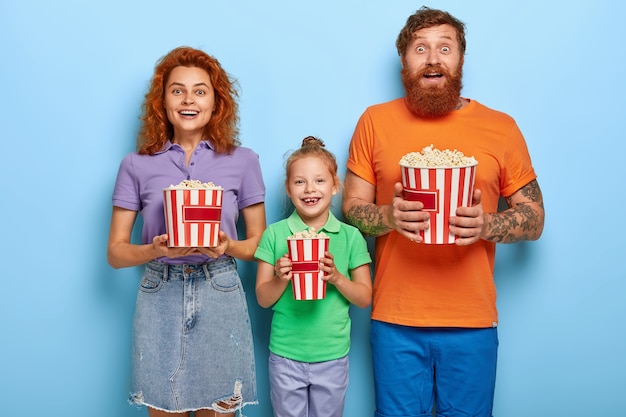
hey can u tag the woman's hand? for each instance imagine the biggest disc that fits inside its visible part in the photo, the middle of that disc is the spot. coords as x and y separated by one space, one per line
217 251
159 244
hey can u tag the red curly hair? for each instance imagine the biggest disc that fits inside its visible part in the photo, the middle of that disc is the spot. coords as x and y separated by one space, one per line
426 18
223 128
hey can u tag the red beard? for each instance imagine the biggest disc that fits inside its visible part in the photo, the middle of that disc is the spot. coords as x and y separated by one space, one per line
432 101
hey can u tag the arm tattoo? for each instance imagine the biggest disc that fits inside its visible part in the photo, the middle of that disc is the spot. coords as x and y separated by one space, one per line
522 221
531 191
368 218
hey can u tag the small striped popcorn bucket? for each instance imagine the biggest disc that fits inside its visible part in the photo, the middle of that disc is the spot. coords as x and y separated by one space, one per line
305 254
192 216
442 191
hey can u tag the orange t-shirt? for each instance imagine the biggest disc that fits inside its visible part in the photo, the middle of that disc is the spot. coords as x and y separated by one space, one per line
438 285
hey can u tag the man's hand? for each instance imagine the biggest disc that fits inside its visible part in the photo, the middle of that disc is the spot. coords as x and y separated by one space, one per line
469 223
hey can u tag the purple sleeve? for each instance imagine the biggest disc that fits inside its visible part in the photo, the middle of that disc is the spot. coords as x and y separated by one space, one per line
126 191
252 190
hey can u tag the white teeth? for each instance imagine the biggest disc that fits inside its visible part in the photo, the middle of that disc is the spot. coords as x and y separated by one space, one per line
188 113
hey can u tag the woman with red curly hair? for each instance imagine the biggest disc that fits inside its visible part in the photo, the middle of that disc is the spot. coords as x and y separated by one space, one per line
192 341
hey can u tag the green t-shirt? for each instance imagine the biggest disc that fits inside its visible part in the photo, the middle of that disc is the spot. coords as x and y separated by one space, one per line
315 330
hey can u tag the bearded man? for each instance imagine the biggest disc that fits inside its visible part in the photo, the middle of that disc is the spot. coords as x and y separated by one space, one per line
434 318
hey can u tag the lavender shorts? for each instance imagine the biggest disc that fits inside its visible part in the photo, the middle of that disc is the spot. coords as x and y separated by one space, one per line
315 389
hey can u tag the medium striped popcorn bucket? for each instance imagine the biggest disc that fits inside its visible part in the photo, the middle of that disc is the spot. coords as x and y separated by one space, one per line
192 216
305 254
442 191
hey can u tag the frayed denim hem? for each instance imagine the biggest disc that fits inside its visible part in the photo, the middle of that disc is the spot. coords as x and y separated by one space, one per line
137 401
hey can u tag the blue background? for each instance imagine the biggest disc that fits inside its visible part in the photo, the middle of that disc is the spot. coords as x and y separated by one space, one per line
73 76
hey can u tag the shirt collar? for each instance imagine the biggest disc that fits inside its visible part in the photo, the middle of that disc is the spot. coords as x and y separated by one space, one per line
295 223
169 145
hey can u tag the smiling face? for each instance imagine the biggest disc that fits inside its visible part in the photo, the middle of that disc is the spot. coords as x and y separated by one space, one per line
189 101
431 71
310 185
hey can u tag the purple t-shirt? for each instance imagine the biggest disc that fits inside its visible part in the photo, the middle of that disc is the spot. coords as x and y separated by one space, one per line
141 179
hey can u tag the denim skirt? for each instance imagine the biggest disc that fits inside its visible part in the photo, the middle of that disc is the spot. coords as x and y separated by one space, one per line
192 341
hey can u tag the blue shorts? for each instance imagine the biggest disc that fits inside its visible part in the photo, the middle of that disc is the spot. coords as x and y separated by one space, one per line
308 389
416 368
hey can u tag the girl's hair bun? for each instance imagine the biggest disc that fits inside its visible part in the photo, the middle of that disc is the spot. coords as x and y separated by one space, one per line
312 141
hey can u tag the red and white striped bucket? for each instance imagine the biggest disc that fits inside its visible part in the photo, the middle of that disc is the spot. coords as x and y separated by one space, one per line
192 216
305 254
442 191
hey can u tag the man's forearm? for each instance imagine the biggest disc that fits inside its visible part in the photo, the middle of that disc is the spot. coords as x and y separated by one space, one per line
522 222
368 218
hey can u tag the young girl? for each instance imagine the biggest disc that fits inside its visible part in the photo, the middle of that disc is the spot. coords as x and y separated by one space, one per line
310 340
192 342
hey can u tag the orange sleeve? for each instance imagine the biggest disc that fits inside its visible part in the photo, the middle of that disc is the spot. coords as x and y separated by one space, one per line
360 160
518 169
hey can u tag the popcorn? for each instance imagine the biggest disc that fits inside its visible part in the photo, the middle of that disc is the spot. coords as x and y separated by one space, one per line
193 212
306 248
307 234
186 184
442 181
434 158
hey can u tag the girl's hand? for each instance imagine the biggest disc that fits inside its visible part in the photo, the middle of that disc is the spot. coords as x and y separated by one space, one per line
283 266
327 264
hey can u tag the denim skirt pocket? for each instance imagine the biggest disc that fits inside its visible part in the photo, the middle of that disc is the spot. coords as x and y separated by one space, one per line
151 282
225 280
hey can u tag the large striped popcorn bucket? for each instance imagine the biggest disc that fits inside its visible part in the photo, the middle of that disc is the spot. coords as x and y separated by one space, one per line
192 216
442 191
305 254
